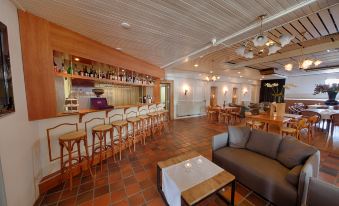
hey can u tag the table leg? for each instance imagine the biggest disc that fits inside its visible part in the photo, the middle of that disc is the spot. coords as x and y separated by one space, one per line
233 192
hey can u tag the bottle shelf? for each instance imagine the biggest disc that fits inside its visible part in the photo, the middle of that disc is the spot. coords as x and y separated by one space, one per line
75 76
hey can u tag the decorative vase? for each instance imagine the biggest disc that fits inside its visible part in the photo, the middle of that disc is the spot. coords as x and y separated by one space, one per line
331 98
280 109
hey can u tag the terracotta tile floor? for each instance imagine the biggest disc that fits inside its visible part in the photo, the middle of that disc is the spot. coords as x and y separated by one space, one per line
132 181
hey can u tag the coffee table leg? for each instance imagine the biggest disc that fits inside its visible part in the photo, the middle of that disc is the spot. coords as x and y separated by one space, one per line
232 192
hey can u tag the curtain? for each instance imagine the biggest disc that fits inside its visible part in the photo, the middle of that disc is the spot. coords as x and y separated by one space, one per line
266 94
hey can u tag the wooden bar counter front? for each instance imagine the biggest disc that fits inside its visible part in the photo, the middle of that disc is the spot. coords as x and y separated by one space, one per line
53 175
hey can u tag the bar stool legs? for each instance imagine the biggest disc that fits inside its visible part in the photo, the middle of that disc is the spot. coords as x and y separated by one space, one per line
101 132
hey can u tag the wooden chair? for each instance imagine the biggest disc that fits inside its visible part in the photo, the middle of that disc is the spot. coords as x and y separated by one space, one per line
134 135
312 121
307 114
210 113
155 123
68 141
335 122
145 124
255 124
235 114
100 131
296 128
119 126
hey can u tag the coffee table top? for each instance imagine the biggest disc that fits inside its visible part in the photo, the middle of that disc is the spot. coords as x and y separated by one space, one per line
200 180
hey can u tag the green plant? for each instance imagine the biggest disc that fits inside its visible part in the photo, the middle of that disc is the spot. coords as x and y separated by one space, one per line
324 88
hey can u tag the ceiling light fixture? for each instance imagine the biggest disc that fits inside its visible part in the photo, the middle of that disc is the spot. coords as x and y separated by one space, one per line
76 59
118 48
260 39
125 25
196 65
303 62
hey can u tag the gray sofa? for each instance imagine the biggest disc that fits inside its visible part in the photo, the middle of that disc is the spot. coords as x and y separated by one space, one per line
322 193
276 168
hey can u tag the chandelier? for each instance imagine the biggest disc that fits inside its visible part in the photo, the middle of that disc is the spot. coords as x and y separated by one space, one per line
303 62
212 78
262 43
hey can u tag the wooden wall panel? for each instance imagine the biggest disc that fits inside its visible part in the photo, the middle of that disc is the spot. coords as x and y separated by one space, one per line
156 91
37 63
39 38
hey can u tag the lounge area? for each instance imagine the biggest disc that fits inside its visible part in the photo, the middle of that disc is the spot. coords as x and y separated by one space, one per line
171 102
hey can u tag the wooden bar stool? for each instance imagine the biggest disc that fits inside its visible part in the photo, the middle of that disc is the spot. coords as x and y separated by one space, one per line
134 121
100 131
145 124
68 141
154 121
119 125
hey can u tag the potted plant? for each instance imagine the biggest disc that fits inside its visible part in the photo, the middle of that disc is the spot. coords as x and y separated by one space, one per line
331 90
278 107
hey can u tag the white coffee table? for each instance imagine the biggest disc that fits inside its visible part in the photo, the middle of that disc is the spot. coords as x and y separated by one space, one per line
189 178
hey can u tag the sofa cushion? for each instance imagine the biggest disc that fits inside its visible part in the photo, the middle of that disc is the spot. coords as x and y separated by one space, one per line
261 174
292 152
238 136
293 175
264 143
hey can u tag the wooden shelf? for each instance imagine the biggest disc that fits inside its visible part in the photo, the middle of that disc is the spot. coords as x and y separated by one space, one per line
75 76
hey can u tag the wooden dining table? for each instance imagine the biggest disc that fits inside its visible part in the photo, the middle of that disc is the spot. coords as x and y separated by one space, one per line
270 120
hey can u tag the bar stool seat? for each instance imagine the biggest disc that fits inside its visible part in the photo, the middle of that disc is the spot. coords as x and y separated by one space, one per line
133 119
119 123
143 116
145 125
75 135
102 128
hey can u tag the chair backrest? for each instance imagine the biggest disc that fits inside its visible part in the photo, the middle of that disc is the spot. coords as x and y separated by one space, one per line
335 119
115 117
313 119
308 114
302 123
93 119
131 114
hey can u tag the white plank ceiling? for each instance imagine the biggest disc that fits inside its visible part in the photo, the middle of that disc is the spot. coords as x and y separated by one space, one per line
163 31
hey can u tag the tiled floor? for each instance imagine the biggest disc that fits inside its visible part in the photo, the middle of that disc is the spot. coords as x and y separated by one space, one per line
132 181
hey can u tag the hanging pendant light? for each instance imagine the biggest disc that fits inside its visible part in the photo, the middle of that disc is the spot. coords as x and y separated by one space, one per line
260 39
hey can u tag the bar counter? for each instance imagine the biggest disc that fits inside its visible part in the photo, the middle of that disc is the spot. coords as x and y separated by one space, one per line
83 112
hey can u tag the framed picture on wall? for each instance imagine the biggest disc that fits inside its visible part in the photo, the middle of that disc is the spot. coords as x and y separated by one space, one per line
6 85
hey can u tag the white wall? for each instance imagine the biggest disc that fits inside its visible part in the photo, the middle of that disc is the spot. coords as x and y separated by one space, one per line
199 89
18 135
305 86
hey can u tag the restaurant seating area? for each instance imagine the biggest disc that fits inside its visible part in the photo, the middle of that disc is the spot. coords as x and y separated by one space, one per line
171 102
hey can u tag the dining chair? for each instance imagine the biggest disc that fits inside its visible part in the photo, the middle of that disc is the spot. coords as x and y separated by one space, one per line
335 122
210 113
295 128
307 114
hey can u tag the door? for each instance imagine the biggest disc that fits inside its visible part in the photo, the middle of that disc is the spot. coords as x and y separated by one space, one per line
213 96
165 95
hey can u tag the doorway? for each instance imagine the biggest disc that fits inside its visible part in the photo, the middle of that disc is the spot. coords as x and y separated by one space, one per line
213 96
166 96
234 95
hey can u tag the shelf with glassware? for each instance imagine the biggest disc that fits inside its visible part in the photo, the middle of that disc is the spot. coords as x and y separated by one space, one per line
74 67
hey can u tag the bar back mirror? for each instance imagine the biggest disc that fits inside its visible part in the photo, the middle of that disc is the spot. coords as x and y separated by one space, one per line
6 86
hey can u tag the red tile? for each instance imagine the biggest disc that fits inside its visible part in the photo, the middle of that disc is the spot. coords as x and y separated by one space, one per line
103 200
156 202
150 193
121 203
132 189
136 200
68 202
117 196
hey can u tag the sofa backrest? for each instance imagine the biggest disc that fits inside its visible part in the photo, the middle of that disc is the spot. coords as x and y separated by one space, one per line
264 143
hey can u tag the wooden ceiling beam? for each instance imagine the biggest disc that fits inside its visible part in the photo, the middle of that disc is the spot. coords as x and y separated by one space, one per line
289 54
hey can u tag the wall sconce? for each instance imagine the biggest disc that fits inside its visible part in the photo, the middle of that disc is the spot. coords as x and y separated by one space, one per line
186 89
244 91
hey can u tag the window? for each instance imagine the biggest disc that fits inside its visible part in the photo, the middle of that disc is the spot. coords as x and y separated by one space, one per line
332 81
6 90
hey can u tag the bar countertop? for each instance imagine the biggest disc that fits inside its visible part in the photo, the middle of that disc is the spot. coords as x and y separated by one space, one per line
83 112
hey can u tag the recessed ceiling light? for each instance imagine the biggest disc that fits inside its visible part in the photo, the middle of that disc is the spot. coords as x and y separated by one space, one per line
211 72
263 77
186 59
240 76
201 56
260 79
122 70
118 48
196 65
200 74
125 25
328 50
239 72
76 59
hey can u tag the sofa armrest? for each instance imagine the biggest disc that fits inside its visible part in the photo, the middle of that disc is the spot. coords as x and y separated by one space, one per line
321 193
310 169
219 141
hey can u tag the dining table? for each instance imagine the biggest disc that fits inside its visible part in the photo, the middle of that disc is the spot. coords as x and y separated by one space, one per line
270 120
325 113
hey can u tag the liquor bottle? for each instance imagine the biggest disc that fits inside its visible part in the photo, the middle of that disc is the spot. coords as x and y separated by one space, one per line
75 69
70 69
85 71
55 66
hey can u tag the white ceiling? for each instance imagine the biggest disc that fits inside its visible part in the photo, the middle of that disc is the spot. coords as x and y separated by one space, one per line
165 32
